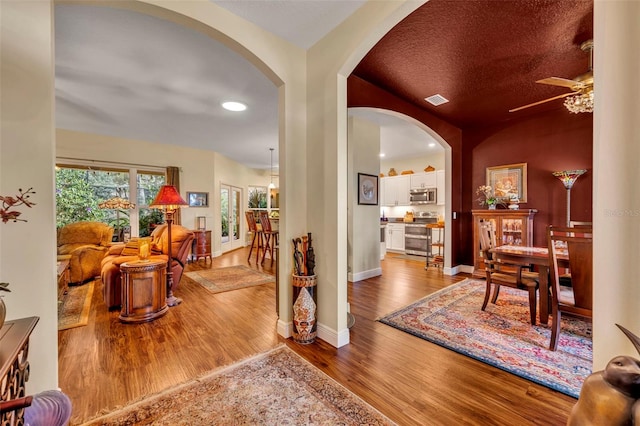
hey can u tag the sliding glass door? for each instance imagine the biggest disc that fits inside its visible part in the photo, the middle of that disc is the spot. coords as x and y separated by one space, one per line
230 211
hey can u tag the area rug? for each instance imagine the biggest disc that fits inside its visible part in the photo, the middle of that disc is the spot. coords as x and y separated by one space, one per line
73 310
275 388
501 336
217 280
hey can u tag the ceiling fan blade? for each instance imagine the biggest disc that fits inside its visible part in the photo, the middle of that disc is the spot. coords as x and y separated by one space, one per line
562 82
564 95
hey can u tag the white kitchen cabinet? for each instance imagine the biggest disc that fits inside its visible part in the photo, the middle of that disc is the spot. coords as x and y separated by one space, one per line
423 180
440 188
395 191
395 236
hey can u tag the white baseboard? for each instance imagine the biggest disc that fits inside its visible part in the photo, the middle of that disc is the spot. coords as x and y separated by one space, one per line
465 268
359 276
337 340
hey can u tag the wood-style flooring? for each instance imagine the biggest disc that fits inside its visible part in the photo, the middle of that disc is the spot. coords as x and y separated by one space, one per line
107 364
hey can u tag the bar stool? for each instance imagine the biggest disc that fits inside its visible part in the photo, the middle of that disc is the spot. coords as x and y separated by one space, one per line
270 236
256 230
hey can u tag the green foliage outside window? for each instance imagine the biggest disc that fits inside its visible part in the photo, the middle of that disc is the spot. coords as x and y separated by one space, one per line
257 197
76 199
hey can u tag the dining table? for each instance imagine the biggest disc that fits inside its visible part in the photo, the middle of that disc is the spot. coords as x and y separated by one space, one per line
539 257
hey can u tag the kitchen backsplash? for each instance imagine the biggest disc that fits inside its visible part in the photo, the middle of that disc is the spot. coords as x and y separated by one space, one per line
399 211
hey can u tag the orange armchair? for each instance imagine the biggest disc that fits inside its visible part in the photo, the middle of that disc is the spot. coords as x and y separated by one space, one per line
181 239
85 244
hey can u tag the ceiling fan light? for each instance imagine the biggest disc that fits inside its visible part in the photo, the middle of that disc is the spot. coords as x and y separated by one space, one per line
582 102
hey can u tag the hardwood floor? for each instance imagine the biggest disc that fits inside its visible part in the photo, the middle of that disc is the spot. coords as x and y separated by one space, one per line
107 363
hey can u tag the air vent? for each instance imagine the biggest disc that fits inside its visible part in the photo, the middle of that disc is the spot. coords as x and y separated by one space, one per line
436 100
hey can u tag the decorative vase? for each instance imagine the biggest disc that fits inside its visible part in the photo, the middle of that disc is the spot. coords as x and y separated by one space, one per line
492 206
304 308
3 312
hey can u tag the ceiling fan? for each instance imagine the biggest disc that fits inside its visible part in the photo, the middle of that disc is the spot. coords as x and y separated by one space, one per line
580 99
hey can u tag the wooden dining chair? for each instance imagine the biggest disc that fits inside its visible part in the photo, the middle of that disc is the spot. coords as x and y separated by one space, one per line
575 247
257 234
270 235
510 274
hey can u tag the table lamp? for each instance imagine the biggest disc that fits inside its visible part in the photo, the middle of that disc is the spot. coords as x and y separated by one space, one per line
168 200
568 178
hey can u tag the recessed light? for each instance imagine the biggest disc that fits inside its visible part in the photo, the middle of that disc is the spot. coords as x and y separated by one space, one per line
381 154
234 106
432 144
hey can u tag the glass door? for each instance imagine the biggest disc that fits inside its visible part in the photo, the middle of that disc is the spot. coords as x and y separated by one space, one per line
230 211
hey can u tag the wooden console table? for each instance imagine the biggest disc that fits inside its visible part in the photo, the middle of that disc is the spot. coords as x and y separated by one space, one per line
144 291
14 350
201 245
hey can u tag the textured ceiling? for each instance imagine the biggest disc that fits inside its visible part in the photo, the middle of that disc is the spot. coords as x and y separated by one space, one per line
484 56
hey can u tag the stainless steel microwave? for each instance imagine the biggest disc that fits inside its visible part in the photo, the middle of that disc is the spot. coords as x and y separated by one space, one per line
422 196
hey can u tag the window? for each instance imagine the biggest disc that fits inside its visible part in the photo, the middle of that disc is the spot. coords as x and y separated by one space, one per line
80 189
257 198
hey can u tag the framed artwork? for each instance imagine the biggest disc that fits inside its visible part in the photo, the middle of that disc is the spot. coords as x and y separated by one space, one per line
367 189
198 199
508 180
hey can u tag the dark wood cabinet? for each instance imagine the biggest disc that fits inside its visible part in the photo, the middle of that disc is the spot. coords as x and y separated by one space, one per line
201 246
513 227
14 365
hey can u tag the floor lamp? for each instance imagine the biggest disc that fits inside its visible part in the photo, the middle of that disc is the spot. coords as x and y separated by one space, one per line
168 200
568 178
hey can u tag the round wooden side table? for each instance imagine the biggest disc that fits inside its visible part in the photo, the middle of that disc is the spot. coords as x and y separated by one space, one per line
144 291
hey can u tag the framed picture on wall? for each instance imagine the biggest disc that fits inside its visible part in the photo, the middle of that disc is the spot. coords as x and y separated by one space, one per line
508 180
367 189
198 199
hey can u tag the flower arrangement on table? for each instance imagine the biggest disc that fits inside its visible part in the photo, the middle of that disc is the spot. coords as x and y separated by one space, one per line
488 197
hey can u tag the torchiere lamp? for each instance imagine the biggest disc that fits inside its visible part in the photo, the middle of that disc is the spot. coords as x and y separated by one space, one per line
568 178
168 200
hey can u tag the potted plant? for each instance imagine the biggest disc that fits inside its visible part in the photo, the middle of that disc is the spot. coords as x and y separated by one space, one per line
487 197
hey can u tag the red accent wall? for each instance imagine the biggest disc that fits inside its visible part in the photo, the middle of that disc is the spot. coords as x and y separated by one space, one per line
550 141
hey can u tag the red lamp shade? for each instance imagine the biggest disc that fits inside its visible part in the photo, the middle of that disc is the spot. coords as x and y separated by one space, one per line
168 198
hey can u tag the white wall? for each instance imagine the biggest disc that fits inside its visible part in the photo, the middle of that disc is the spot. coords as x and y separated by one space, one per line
363 221
27 250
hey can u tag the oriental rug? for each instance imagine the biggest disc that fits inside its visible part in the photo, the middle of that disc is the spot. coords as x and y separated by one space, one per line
74 308
502 335
217 280
275 388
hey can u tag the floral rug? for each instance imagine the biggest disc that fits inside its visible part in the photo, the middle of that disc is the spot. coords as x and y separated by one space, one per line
275 388
501 336
73 310
217 280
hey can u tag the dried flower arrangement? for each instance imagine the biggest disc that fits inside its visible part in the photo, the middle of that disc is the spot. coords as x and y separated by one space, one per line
9 202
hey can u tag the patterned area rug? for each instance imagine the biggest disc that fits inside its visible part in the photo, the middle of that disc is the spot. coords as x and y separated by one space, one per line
73 310
217 280
275 388
501 336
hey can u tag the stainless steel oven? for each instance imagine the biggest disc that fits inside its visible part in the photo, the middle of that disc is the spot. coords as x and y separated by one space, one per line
416 238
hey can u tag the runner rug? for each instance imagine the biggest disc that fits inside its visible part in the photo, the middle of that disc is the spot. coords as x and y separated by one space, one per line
217 280
501 336
73 310
275 388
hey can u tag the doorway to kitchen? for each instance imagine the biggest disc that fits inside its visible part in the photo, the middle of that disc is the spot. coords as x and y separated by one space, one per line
230 211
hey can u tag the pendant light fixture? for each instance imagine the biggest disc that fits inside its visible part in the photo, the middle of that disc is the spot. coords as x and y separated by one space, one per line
271 185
